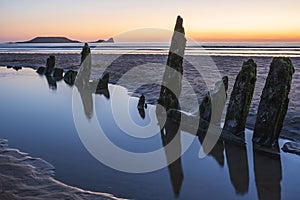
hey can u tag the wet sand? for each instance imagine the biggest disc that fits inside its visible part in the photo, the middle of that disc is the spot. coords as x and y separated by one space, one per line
25 177
118 65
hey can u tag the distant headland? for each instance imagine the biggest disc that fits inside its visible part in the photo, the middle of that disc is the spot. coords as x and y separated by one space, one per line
61 40
110 40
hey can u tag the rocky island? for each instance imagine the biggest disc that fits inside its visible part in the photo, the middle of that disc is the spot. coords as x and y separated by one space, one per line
109 40
52 39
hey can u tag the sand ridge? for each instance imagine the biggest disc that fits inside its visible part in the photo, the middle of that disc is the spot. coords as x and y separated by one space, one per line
25 177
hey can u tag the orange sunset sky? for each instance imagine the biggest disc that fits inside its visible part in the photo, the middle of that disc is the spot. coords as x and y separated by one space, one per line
204 20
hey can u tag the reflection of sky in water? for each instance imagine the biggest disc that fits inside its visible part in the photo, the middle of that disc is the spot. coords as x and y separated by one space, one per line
115 133
39 121
216 49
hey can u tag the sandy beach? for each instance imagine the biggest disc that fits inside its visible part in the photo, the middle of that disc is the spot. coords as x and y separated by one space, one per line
25 177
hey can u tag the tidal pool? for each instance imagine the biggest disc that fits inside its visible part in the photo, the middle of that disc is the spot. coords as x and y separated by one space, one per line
37 117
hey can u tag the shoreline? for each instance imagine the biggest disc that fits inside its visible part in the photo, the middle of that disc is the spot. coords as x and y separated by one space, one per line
23 176
289 135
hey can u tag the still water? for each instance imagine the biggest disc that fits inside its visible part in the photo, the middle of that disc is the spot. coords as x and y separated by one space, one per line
37 117
262 49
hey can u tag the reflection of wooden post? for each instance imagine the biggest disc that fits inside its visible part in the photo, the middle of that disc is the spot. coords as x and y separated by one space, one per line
82 80
170 136
274 103
210 111
51 82
239 103
268 175
237 162
103 82
169 94
83 84
176 174
217 152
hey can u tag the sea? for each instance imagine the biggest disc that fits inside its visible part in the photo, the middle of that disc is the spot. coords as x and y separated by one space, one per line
260 49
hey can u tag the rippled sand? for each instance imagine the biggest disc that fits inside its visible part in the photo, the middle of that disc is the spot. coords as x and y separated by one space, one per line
24 177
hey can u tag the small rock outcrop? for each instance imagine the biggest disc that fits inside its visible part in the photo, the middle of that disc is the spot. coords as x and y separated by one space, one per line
17 68
141 103
141 106
291 147
50 69
52 74
103 82
70 77
109 40
240 101
274 103
58 73
41 70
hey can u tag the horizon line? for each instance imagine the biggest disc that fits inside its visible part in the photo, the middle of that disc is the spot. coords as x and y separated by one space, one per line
207 40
